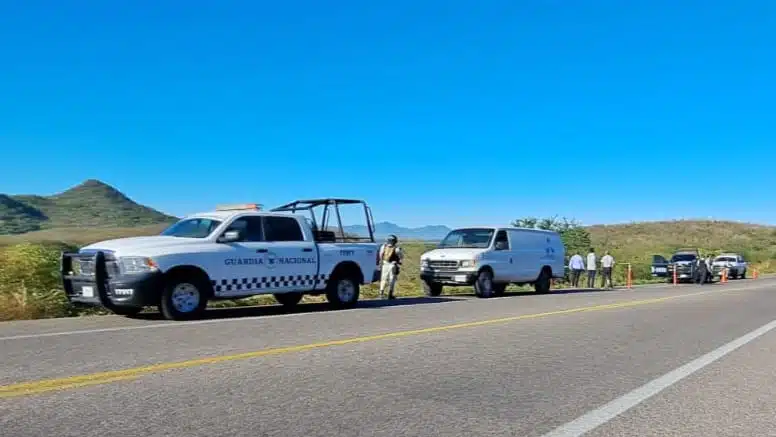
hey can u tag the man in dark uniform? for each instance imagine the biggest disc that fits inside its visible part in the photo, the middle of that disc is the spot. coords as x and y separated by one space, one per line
702 271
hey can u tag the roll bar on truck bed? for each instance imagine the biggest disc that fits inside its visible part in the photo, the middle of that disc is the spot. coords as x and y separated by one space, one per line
330 206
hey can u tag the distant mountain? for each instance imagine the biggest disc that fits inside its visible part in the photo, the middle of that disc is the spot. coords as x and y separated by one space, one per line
384 229
89 204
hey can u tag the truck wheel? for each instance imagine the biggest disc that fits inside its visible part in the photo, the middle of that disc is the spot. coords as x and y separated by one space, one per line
743 274
343 291
499 288
288 299
483 286
184 299
432 288
127 311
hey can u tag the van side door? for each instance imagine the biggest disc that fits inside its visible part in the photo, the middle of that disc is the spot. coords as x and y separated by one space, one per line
502 258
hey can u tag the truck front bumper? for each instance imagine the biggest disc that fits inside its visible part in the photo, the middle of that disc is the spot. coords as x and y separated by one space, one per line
449 277
109 291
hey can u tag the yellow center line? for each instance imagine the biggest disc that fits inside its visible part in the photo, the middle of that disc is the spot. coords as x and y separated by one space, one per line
46 385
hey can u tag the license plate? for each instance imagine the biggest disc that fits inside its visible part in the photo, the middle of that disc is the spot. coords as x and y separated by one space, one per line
460 278
87 291
684 276
661 269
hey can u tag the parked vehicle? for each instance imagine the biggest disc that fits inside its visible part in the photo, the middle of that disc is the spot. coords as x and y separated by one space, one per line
232 252
684 261
733 262
490 258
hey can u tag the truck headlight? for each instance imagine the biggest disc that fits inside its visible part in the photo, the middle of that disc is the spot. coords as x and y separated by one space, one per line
424 263
467 263
136 264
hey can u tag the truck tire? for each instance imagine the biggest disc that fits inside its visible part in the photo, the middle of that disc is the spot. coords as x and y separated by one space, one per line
499 288
343 290
432 288
288 299
743 274
483 285
542 284
184 298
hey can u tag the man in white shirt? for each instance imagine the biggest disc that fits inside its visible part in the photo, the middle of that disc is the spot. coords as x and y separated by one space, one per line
576 266
591 268
607 264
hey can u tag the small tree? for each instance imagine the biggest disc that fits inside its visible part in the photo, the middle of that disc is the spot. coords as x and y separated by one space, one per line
574 236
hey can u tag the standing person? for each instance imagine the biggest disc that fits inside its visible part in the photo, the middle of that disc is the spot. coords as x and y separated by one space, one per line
607 264
391 256
702 271
577 266
591 268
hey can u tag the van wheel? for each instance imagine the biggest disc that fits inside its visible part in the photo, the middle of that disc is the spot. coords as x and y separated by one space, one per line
432 288
542 284
483 286
184 299
288 299
499 289
342 291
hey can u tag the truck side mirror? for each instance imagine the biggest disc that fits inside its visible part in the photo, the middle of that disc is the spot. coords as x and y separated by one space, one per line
230 237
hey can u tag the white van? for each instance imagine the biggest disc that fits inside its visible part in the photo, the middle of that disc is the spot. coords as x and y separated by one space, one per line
490 258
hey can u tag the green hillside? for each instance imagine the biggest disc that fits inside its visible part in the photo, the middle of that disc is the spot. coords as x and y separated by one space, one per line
92 204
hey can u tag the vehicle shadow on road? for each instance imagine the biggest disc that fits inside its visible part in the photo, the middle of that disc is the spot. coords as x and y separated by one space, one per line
275 310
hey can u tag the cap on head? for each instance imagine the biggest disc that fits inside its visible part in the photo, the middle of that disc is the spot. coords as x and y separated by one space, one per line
392 239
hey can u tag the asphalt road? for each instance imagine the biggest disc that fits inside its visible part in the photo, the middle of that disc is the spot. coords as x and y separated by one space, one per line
654 361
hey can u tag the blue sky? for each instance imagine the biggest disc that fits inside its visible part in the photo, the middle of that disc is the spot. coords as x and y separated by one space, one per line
436 112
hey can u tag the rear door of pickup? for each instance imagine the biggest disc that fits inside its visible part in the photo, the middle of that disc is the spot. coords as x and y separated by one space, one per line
659 266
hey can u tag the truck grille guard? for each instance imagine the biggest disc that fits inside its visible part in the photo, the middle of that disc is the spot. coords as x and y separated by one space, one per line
99 275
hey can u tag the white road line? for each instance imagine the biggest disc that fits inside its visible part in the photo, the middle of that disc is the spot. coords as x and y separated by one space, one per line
604 414
244 319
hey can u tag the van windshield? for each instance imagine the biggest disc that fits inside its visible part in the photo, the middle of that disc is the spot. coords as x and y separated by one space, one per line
468 238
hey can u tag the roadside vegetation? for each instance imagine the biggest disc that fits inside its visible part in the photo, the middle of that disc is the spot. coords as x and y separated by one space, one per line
30 287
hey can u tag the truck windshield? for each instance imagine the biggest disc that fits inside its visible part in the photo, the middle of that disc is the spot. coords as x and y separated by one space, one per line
468 238
680 257
725 259
192 228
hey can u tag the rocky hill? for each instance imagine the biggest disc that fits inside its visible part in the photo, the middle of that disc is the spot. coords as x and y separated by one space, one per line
89 204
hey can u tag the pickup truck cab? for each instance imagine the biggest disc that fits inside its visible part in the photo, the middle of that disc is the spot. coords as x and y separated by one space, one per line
232 252
733 262
492 257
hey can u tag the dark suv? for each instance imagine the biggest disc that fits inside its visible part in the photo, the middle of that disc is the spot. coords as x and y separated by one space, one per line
685 261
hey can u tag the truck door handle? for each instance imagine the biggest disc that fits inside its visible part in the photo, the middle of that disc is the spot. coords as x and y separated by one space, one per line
262 250
307 249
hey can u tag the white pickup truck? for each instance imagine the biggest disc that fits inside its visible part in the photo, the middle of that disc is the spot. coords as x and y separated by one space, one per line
232 252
